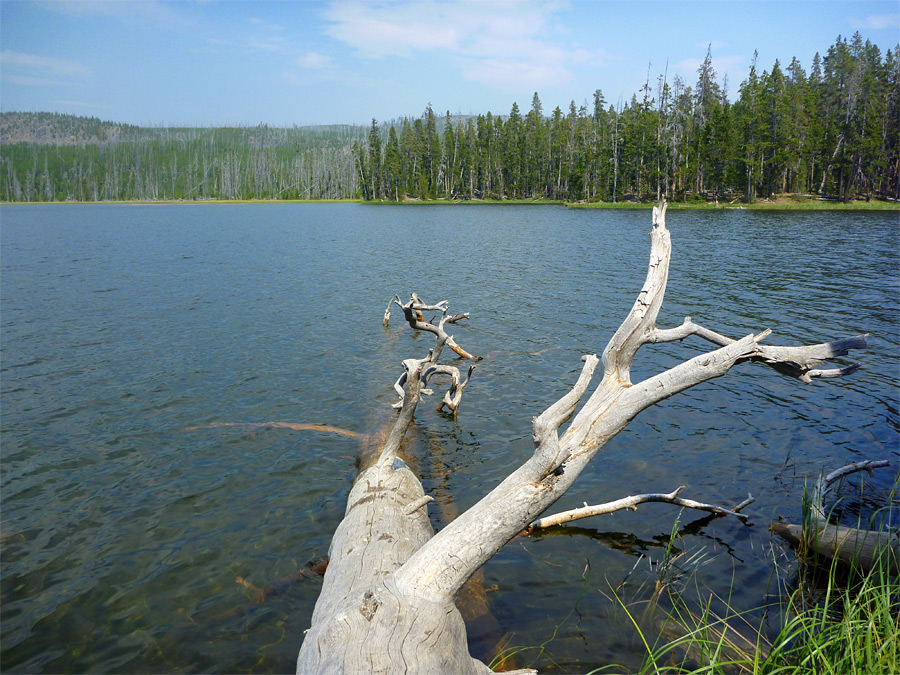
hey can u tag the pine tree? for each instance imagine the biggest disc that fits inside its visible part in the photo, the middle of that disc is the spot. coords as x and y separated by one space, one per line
393 175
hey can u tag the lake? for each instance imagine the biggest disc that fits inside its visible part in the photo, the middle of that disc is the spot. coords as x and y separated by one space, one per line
129 332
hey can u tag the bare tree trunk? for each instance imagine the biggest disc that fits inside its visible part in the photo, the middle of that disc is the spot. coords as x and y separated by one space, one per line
387 602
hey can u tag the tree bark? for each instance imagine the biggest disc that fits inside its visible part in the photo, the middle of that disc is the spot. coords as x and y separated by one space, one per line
387 602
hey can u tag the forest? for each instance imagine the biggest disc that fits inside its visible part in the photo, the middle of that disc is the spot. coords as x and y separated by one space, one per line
831 132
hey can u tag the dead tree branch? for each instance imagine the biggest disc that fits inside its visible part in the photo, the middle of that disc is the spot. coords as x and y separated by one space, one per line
429 366
799 362
631 503
823 485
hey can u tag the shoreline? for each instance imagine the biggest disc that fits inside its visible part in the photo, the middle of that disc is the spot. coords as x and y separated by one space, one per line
778 205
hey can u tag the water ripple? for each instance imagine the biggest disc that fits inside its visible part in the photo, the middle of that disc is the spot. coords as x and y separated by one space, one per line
126 331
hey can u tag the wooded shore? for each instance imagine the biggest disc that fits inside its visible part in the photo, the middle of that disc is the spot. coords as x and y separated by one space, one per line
829 130
773 205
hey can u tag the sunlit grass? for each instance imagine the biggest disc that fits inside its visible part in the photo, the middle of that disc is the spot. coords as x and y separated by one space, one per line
835 621
853 629
781 205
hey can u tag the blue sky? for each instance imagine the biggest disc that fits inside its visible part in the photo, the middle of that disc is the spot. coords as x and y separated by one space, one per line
283 63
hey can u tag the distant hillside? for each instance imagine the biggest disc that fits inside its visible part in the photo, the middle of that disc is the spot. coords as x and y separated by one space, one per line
53 157
56 129
44 128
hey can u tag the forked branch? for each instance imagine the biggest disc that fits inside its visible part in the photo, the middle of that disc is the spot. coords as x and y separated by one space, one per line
413 313
800 362
429 366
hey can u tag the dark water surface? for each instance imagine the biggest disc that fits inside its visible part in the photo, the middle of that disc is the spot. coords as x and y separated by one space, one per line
123 529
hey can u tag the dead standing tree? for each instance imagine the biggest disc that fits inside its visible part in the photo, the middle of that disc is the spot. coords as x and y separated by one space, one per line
387 601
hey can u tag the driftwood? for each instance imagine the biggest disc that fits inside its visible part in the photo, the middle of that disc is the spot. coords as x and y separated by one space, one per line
851 545
632 502
387 600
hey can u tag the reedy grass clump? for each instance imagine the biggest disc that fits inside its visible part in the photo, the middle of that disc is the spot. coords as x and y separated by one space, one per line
846 623
851 629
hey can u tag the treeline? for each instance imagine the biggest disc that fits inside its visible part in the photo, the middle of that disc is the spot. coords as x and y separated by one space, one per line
182 163
830 131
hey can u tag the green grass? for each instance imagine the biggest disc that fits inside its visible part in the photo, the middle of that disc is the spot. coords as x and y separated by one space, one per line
849 629
835 621
791 205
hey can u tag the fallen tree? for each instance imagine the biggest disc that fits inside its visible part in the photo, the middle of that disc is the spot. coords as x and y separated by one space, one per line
387 600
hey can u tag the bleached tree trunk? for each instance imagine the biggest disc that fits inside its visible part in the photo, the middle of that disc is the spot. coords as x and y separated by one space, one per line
387 601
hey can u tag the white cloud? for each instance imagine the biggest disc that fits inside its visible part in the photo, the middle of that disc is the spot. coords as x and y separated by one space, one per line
504 43
32 69
878 22
378 31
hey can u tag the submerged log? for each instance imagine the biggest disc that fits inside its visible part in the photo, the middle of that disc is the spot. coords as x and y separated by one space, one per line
388 598
853 546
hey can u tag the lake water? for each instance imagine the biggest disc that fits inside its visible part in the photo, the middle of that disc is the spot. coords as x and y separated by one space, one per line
124 327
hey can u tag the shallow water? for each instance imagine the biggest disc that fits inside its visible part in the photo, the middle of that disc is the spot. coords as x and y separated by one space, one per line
123 327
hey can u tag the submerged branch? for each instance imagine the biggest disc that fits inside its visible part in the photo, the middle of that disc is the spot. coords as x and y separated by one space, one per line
823 485
326 428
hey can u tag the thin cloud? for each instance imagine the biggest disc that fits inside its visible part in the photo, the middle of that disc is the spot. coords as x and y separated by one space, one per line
268 25
275 44
878 22
513 75
314 61
379 31
500 43
146 11
33 69
29 80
